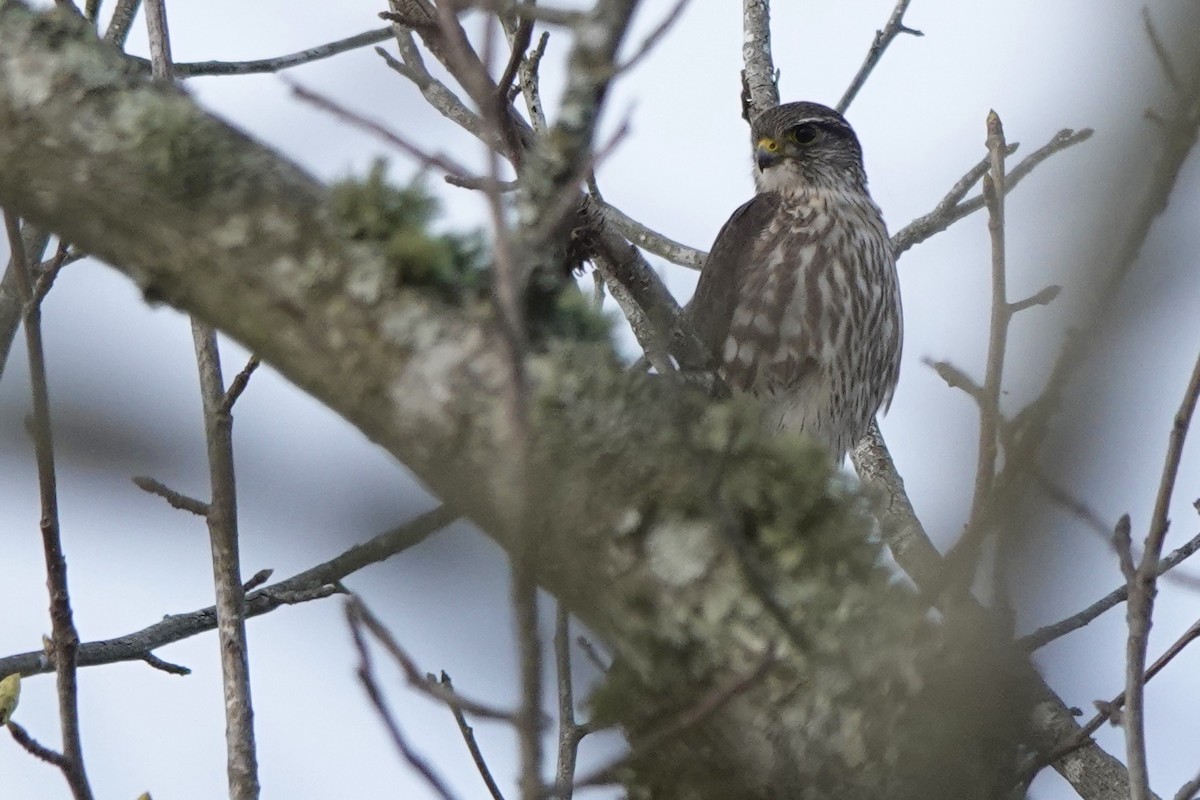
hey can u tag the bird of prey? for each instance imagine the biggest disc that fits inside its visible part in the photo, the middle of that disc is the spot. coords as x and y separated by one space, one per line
799 302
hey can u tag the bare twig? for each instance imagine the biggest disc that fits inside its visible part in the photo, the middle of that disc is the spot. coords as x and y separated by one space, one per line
955 378
655 36
894 27
1042 298
1079 509
438 160
570 733
238 385
65 638
121 22
35 748
521 37
241 757
760 88
530 85
989 409
1190 790
366 675
652 241
468 734
1160 52
436 93
47 273
278 63
165 666
952 208
916 555
424 682
1109 710
315 583
1142 590
12 302
177 499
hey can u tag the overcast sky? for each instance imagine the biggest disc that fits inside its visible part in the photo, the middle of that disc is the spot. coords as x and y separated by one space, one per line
125 402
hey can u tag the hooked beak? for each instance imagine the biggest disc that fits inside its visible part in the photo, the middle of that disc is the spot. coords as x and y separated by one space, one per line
766 153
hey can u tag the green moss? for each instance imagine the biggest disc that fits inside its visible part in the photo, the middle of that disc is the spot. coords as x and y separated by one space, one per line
574 317
398 220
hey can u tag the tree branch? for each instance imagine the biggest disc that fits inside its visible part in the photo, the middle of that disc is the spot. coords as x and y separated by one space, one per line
64 637
315 583
894 27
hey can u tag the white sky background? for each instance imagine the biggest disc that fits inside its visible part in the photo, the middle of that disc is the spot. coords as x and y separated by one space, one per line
123 385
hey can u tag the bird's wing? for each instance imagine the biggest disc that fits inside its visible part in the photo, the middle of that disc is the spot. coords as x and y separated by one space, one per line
713 304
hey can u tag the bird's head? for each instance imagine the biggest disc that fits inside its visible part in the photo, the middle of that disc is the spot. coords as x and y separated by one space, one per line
802 146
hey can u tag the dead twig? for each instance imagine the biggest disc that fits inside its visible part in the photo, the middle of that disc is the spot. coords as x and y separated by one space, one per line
64 636
315 583
366 676
1142 588
176 499
468 734
438 160
952 207
894 27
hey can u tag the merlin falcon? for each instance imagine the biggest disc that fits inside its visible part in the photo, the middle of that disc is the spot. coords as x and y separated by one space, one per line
798 302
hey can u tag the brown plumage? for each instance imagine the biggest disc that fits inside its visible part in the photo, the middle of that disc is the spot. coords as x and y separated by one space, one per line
799 302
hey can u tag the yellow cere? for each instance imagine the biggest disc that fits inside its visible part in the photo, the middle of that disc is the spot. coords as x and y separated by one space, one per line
770 145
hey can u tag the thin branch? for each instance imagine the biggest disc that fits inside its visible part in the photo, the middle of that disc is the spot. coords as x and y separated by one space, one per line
65 638
955 378
47 273
240 751
12 302
1043 298
654 37
35 748
1001 314
1190 790
652 241
1142 590
424 682
176 499
952 208
165 666
366 675
760 88
468 734
278 63
521 38
482 184
121 22
442 162
1109 710
1160 52
436 93
315 583
530 85
894 27
570 734
906 538
238 385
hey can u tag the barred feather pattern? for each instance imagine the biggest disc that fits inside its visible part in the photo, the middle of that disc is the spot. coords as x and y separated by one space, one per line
816 326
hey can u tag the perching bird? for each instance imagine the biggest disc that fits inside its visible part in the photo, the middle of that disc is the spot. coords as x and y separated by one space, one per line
799 302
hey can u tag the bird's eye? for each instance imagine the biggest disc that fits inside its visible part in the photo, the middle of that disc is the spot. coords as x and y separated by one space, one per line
804 134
